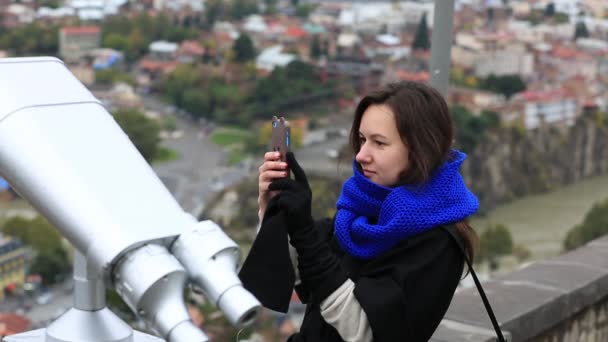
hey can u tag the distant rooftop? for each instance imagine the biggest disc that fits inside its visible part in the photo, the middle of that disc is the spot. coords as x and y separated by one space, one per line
4 184
77 30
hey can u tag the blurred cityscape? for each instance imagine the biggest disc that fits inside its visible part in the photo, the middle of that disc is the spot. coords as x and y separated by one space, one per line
194 84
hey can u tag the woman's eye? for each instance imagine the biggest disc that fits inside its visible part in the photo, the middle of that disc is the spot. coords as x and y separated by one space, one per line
361 140
380 143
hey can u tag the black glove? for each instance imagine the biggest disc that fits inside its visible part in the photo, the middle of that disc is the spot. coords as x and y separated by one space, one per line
295 196
319 267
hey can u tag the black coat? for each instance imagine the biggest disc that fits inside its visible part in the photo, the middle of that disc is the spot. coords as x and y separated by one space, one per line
404 292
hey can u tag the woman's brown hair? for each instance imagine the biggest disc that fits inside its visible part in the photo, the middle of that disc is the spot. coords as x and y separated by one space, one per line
425 126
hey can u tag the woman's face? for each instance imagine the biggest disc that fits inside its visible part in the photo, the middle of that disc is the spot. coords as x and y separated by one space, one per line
383 155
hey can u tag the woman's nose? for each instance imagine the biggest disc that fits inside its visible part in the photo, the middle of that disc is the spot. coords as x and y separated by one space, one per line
363 155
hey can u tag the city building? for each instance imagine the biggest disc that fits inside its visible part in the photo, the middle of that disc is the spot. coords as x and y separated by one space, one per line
12 265
555 107
273 57
506 62
77 41
163 50
571 62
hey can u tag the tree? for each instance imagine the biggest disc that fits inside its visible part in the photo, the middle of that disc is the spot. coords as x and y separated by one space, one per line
37 233
581 30
116 41
213 11
197 102
594 225
470 129
242 8
143 132
494 242
184 77
315 47
51 260
421 40
506 85
271 6
51 265
304 10
299 70
550 9
243 48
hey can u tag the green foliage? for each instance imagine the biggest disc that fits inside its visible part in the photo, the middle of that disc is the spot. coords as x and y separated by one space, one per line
594 225
421 39
494 242
31 39
133 35
116 41
561 18
271 6
214 10
37 233
184 77
225 136
470 129
581 30
52 265
143 132
315 47
303 11
197 102
51 260
111 76
297 84
50 3
243 48
506 85
600 118
242 8
165 155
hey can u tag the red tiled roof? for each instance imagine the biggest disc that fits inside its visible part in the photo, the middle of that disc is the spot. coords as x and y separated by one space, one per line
295 32
421 76
76 30
191 47
544 96
13 324
154 66
567 53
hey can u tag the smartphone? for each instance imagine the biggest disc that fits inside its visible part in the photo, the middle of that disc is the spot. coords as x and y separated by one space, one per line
280 140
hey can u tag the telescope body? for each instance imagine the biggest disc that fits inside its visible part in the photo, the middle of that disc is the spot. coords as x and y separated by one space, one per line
62 151
65 154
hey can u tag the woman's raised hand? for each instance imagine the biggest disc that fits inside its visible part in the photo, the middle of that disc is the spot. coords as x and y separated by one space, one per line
271 169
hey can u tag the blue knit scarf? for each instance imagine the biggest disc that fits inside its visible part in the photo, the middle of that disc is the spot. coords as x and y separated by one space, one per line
372 218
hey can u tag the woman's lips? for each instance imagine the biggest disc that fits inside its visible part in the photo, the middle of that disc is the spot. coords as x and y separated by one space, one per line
368 172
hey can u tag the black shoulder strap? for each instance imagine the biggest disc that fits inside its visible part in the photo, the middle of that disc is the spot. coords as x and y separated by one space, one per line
486 303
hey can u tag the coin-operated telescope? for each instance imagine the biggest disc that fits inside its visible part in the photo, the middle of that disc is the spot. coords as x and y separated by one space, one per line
64 153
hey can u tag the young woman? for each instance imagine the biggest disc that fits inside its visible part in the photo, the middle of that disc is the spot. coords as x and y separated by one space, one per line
386 267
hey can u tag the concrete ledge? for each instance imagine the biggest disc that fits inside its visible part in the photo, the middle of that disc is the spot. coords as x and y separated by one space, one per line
533 300
452 331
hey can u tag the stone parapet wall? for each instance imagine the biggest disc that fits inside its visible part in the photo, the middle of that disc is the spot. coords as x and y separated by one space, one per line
562 299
